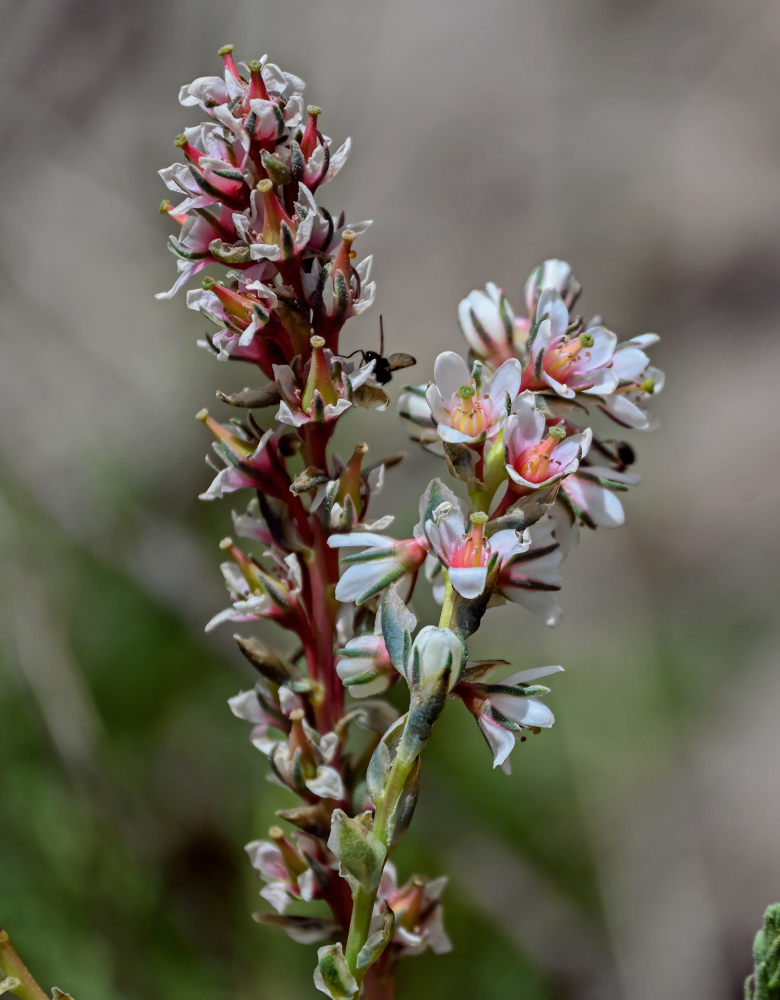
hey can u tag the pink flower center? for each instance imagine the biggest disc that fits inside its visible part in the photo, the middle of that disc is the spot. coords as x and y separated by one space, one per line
472 551
559 360
537 464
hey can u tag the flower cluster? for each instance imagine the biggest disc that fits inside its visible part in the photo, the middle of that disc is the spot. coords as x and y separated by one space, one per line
510 423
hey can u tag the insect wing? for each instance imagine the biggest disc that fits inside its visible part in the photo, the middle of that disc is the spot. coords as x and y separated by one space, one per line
400 360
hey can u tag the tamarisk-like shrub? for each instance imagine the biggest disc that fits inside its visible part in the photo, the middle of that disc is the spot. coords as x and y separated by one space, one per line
509 424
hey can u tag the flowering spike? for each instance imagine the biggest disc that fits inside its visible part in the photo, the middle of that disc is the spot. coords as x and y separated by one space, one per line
512 422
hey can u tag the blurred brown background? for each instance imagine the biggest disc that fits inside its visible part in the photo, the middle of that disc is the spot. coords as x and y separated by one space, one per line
635 847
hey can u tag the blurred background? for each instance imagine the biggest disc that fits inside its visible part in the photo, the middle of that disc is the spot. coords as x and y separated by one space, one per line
633 850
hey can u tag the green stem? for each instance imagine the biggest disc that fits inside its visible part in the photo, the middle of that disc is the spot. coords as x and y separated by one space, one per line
359 927
449 603
13 966
365 898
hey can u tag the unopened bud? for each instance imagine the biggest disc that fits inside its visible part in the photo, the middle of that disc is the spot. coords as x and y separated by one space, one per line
435 661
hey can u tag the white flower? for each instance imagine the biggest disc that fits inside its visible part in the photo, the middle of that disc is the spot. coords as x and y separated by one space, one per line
468 407
533 578
533 460
505 709
638 381
364 666
555 275
566 358
487 322
466 551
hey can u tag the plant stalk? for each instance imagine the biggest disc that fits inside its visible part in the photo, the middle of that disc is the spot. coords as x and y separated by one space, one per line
12 965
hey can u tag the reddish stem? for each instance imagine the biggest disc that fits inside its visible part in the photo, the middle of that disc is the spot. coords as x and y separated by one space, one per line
380 982
323 575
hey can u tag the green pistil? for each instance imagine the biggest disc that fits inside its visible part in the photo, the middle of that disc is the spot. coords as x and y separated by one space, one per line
557 432
467 392
587 339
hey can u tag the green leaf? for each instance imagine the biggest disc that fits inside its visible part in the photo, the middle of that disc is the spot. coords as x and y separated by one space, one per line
382 759
229 254
401 815
378 941
359 853
332 975
764 983
276 168
435 495
397 622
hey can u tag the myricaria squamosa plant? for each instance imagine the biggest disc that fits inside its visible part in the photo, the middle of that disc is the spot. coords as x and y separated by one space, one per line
279 278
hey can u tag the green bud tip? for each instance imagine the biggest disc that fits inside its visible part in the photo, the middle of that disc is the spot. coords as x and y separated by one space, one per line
225 50
180 140
226 543
317 342
467 391
165 206
558 431
255 65
479 517
313 110
587 339
208 283
202 414
265 185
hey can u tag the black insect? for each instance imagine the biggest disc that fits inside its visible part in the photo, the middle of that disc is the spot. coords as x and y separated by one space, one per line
384 366
625 453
